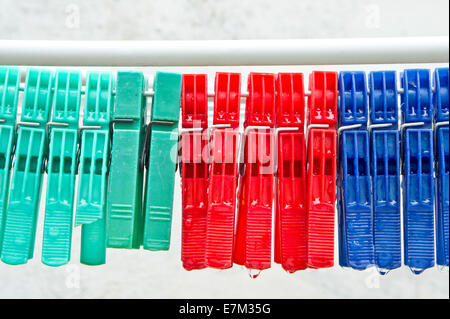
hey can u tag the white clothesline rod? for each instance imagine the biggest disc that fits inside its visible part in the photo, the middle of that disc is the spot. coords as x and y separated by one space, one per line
226 52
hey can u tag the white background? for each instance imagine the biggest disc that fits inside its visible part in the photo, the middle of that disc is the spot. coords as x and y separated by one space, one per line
143 274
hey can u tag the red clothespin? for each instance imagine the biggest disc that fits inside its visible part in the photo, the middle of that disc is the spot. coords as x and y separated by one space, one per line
194 170
223 171
253 232
290 222
321 182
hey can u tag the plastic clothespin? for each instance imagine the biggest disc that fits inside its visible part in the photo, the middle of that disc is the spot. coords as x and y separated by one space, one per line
223 171
441 131
356 248
62 162
385 163
125 216
9 97
254 227
418 187
194 169
31 151
321 172
162 157
290 223
93 165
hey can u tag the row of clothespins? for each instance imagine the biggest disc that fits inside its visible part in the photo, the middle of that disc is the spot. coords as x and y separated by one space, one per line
109 151
291 161
287 156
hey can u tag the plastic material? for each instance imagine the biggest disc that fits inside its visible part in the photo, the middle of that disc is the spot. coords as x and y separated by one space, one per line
194 170
321 172
442 207
158 200
290 229
441 107
441 95
385 146
92 182
9 97
31 150
323 104
383 98
355 202
254 227
353 102
418 200
125 216
223 171
62 163
416 101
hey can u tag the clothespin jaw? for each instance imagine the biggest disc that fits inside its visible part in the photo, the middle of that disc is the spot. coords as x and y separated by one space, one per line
290 223
31 151
321 173
253 232
62 163
418 199
92 184
125 216
383 101
9 97
353 98
385 159
158 200
223 171
441 95
416 100
322 104
194 169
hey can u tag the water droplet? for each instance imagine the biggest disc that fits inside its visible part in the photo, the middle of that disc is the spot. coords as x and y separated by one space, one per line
253 273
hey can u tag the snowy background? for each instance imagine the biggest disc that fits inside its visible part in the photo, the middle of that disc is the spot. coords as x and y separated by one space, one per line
143 274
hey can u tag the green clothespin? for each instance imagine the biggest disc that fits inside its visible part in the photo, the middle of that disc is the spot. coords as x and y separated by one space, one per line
125 216
31 151
63 130
92 174
9 97
161 159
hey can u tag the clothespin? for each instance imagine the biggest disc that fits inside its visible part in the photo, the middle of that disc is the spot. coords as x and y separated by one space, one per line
418 187
125 216
290 222
9 97
385 163
441 131
31 151
321 172
356 248
223 171
254 228
161 148
194 169
62 161
94 154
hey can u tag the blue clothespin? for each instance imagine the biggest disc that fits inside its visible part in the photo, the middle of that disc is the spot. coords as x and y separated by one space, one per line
385 158
441 131
355 205
418 170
